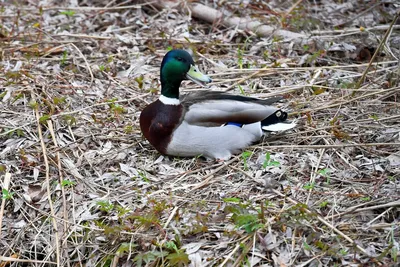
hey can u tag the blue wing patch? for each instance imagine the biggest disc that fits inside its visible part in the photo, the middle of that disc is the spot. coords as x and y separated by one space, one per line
234 124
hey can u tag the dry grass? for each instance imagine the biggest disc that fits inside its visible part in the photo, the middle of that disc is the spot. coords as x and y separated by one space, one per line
81 187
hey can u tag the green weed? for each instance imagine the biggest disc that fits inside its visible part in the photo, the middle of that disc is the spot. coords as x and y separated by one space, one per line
6 194
66 183
245 156
241 215
68 13
268 162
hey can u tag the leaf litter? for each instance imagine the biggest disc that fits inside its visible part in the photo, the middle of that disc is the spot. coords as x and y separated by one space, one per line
94 192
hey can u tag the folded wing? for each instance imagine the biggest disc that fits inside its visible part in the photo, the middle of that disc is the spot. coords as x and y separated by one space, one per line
216 108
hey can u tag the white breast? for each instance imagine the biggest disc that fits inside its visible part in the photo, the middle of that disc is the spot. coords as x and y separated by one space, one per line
212 142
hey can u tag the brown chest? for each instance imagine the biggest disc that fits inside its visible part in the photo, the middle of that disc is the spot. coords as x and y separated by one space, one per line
157 123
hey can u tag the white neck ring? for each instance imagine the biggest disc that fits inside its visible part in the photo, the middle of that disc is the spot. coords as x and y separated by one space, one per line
169 100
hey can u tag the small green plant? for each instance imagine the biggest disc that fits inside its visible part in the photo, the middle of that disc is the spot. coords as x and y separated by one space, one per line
314 56
3 94
68 13
296 215
343 252
66 183
276 39
7 195
309 186
268 162
324 204
105 205
102 67
69 119
118 109
245 156
142 175
158 206
232 200
125 248
241 215
169 254
266 54
242 92
64 58
249 222
395 249
147 220
17 97
128 129
346 84
44 118
306 246
33 104
391 178
115 108
17 132
177 257
148 257
140 81
366 198
13 77
374 117
59 100
240 57
122 211
317 90
110 59
325 173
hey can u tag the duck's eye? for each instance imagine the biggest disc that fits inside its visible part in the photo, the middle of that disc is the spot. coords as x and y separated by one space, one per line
179 59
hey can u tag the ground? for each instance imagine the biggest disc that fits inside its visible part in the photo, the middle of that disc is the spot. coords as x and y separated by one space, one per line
82 187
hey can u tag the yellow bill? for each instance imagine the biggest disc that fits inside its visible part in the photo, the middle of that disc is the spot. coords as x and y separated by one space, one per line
196 76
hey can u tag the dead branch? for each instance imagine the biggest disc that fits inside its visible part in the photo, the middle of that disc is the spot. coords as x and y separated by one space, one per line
212 15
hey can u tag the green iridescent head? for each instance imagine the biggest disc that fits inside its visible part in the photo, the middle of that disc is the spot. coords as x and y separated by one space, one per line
178 65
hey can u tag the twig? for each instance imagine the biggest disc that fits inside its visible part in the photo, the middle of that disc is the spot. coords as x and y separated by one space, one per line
206 179
245 79
97 105
83 36
49 198
210 176
322 220
333 146
314 174
212 15
84 8
290 10
86 62
233 251
6 186
377 51
10 259
343 102
170 217
353 210
64 199
374 28
357 16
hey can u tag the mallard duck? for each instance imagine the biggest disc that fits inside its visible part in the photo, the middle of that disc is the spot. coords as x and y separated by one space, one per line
212 124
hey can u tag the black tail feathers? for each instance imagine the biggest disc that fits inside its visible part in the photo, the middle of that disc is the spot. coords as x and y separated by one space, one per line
278 116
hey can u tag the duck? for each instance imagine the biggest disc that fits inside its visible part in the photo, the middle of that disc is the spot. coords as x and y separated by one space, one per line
211 124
